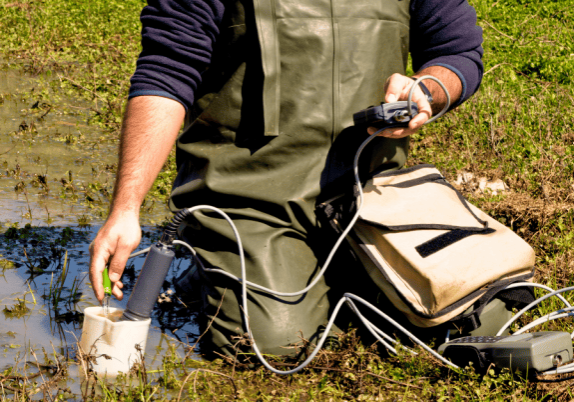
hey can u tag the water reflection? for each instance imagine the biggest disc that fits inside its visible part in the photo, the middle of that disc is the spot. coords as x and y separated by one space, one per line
50 275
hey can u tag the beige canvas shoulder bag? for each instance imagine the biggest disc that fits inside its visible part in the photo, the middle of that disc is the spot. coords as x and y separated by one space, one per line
430 251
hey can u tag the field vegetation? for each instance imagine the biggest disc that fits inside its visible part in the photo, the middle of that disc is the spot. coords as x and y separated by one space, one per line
519 129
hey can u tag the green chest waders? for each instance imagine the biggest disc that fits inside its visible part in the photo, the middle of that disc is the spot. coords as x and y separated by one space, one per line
285 80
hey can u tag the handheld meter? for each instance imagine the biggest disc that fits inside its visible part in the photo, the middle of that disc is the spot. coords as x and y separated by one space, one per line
539 351
396 114
386 114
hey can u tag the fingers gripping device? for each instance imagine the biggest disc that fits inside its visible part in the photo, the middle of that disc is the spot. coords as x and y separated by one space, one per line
545 352
400 113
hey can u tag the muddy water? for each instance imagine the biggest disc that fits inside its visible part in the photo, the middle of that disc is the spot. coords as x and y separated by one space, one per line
52 153
38 139
51 147
50 277
113 317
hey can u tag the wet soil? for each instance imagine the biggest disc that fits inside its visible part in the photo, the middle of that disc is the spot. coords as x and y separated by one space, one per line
56 167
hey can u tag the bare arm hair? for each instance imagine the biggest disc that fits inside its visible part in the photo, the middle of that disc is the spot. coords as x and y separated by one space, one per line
450 81
149 131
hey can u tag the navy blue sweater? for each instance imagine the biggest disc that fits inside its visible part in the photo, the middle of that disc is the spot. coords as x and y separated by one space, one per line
178 37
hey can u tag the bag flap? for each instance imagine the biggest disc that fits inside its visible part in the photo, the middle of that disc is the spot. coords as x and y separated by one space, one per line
432 283
416 198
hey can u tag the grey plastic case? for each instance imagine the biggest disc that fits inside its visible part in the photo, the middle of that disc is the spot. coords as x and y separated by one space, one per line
538 351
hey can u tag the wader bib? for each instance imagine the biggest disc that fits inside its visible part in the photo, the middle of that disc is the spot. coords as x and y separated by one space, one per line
285 79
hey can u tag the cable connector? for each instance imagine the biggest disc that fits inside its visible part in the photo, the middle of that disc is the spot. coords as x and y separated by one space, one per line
170 231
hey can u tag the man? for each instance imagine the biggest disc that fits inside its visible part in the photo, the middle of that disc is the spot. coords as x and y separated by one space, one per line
269 132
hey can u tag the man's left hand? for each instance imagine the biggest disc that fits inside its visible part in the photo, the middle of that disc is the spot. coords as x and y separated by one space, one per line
397 88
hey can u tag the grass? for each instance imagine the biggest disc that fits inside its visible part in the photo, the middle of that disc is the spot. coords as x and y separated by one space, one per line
518 128
85 49
89 46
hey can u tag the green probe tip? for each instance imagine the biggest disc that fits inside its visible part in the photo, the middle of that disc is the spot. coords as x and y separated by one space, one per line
107 282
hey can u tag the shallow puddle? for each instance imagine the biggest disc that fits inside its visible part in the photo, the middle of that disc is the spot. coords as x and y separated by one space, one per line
45 288
55 169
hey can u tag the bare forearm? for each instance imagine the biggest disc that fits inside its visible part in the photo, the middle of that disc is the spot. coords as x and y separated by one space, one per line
149 130
450 81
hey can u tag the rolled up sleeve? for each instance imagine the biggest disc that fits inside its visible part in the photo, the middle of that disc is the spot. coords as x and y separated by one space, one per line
444 33
177 42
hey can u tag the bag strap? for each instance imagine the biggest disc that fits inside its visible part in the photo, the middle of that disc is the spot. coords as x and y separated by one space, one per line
444 240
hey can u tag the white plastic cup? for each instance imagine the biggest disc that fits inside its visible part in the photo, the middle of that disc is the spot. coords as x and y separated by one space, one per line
117 340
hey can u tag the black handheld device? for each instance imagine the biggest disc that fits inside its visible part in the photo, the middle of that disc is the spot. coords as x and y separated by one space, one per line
394 114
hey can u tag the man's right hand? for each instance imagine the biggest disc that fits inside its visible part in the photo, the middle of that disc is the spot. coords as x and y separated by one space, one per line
116 240
149 130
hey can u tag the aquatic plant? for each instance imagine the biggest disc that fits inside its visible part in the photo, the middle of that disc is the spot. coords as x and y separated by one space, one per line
18 310
6 264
